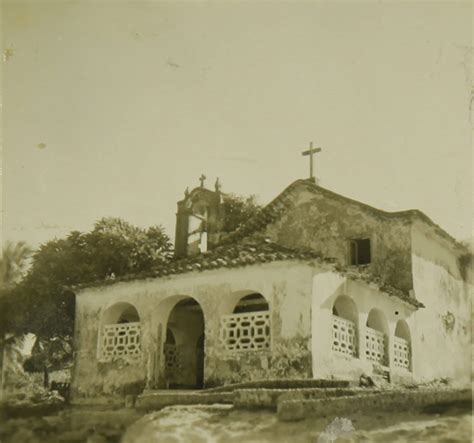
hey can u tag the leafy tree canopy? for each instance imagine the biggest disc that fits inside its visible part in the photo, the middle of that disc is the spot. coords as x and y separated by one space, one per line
238 210
41 303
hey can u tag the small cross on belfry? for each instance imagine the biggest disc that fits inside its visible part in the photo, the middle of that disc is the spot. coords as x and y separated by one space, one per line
311 151
201 179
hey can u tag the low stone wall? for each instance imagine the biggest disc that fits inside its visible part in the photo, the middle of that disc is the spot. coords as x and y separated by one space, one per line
297 409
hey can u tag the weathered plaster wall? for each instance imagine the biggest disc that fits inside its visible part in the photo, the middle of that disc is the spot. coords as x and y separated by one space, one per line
327 287
92 377
442 335
285 285
326 224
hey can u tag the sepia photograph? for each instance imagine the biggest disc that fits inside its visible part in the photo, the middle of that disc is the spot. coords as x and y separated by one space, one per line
236 221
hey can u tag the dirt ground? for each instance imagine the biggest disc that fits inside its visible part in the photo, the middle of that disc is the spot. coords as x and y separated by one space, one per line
216 424
223 423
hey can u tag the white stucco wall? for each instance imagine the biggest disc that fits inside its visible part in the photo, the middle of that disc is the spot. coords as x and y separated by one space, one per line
285 285
327 287
443 347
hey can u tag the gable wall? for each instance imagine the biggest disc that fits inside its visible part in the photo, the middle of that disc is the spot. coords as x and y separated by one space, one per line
325 224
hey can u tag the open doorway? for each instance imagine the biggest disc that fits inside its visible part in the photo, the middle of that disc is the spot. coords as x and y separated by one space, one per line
184 346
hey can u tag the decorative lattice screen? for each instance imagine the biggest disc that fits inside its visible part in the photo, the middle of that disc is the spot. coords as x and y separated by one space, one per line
120 340
401 353
344 337
246 331
171 358
375 345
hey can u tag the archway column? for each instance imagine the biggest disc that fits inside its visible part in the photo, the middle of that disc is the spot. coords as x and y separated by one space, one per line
377 321
390 344
361 328
155 362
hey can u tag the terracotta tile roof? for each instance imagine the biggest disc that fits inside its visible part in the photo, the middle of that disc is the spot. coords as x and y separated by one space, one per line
234 255
252 251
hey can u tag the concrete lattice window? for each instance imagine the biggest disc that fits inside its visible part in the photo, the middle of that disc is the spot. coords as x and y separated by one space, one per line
402 346
376 332
120 334
248 327
344 326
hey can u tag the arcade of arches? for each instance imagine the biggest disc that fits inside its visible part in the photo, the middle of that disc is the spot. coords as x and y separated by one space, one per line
246 328
374 337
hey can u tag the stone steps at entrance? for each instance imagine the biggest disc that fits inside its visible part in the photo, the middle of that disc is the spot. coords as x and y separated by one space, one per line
270 398
154 400
283 384
253 396
348 406
298 404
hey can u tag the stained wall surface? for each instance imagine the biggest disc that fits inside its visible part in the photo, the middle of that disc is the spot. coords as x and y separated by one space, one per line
327 288
285 285
326 223
442 333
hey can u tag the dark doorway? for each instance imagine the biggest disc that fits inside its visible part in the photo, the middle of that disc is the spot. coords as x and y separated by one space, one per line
184 347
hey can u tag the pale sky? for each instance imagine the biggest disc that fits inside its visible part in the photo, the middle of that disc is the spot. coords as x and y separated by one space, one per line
114 108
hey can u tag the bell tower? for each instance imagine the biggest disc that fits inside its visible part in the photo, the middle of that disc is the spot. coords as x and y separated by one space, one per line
199 220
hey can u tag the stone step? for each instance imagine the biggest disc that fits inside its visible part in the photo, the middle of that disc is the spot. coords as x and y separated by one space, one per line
154 400
241 398
346 406
269 398
283 384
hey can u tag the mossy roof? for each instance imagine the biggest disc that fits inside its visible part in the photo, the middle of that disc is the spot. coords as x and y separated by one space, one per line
279 204
251 251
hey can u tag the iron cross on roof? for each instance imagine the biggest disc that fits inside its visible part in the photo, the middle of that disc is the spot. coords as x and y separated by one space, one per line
201 179
311 151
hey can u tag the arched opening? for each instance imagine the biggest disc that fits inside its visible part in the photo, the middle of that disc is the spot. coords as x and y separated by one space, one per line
120 332
376 337
184 346
402 330
120 313
344 326
251 303
402 345
345 307
248 327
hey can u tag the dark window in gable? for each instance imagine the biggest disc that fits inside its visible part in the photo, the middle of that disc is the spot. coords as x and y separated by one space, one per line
360 251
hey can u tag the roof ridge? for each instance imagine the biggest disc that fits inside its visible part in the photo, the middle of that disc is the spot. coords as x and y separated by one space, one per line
256 223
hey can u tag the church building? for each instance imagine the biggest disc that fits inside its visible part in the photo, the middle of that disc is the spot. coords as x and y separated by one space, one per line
315 286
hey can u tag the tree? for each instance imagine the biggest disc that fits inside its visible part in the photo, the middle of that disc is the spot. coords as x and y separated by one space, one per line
13 263
238 210
42 303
